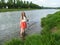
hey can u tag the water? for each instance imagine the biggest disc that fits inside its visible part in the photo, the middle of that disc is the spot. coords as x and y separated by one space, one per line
9 22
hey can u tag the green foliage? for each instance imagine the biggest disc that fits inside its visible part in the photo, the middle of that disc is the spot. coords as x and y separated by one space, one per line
40 40
17 4
46 39
14 41
51 20
2 4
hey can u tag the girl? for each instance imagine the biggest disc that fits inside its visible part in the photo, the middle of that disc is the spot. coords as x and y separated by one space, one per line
23 24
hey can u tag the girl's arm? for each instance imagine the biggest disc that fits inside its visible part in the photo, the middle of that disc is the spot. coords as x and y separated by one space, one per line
26 18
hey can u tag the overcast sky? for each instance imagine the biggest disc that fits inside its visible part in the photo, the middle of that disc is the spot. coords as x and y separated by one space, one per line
46 3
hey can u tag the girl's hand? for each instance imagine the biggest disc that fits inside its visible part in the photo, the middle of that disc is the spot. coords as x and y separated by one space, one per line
27 20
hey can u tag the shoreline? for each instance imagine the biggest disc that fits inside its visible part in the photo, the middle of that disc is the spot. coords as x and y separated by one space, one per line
11 10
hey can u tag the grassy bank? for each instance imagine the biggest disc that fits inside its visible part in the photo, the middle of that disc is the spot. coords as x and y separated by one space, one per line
49 35
52 22
7 10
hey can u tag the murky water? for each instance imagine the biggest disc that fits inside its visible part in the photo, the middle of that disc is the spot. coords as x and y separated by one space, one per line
9 22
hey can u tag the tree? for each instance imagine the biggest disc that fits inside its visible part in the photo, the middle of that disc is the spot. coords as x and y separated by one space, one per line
24 4
21 2
27 4
3 1
10 3
0 4
14 5
14 1
31 5
3 4
18 3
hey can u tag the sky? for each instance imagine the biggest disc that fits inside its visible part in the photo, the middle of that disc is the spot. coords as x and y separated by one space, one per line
46 3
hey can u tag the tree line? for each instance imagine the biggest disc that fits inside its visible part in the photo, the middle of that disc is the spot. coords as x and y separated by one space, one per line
17 4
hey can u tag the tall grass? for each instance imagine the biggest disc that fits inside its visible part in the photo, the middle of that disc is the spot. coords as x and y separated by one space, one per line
46 39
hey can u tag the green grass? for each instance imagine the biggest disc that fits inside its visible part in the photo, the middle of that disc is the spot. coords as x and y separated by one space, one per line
46 39
14 41
57 31
7 10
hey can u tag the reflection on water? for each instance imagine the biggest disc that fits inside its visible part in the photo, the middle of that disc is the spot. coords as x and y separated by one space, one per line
9 21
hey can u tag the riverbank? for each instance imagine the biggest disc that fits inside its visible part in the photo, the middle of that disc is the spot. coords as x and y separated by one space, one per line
9 10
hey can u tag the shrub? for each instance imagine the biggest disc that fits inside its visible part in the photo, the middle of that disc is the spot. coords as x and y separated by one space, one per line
14 41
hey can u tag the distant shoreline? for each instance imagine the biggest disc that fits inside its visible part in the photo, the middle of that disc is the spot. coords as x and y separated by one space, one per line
10 10
22 9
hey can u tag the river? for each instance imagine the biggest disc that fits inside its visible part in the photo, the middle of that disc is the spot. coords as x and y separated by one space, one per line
9 22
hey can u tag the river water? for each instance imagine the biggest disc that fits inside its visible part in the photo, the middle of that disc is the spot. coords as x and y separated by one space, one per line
9 22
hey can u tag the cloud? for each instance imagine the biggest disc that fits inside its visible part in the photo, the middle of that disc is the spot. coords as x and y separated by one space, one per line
51 3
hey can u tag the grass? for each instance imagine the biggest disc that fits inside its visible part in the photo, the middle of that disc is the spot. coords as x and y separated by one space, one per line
14 41
7 10
46 39
57 31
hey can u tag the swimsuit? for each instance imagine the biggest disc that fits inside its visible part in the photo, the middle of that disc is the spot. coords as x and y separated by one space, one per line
23 24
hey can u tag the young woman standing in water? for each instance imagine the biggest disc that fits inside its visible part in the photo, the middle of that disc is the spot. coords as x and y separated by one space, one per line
23 24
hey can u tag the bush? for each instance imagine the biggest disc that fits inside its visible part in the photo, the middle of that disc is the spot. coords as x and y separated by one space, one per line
14 41
51 20
45 39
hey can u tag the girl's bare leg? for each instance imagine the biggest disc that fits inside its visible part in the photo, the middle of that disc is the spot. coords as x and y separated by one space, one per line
21 31
23 35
